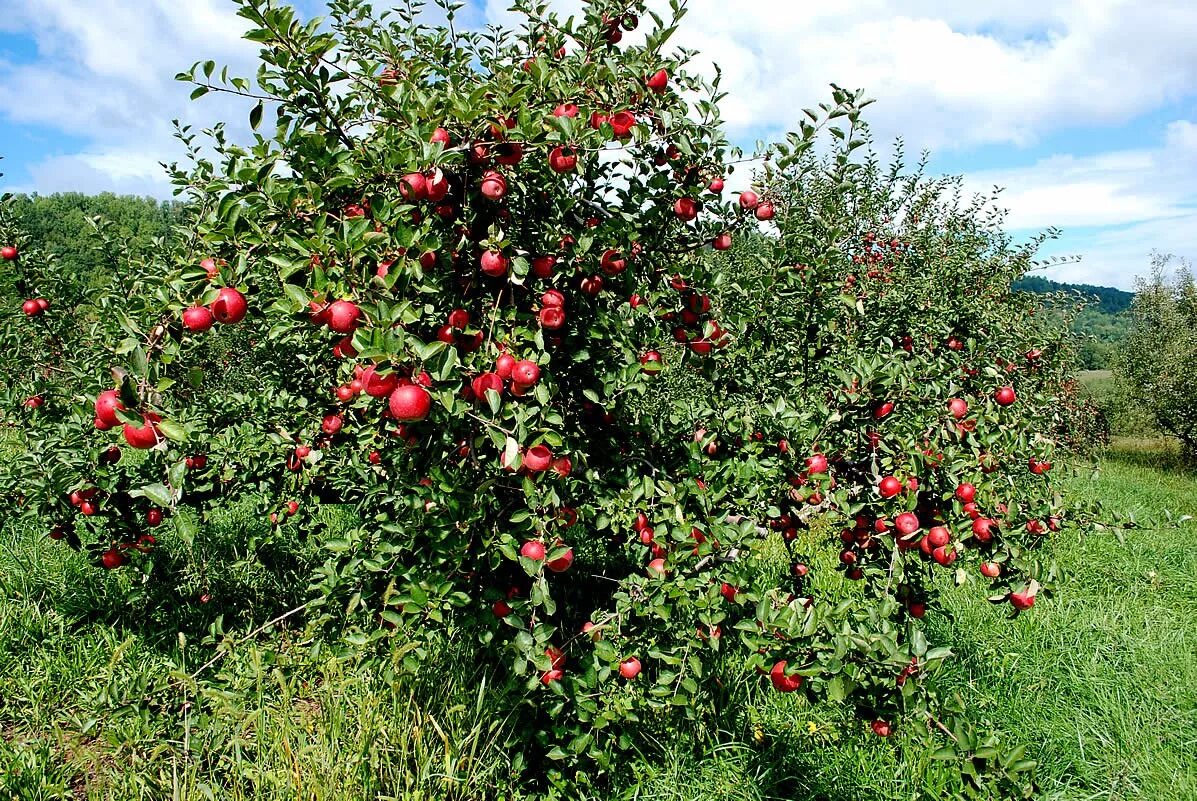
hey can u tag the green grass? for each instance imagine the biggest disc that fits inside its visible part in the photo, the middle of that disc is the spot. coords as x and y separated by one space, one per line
1099 681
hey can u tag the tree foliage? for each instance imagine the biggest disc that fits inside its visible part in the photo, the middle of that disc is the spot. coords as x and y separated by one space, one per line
1156 364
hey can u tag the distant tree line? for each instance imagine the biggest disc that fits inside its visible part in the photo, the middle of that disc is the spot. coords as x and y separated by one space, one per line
1103 319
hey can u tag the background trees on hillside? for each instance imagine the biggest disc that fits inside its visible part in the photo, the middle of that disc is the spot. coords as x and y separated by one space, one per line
1156 366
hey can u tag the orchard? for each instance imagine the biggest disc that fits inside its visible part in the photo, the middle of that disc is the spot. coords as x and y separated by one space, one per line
618 425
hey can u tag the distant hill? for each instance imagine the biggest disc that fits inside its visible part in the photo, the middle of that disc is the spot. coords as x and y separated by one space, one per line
1105 321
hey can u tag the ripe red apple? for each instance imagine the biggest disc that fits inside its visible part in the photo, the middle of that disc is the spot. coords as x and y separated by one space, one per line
229 307
34 402
410 403
685 208
966 492
882 728
112 559
764 211
749 200
722 241
657 81
9 253
889 487
501 608
440 135
504 365
551 317
656 568
552 297
716 185
344 316
376 384
532 549
561 563
493 263
198 319
612 262
525 372
991 569
622 123
332 424
907 523
1005 395
652 362
958 407
493 186
883 409
816 464
1023 599
153 518
537 459
938 536
413 187
566 110
145 435
781 682
486 382
563 159
543 266
31 308
982 529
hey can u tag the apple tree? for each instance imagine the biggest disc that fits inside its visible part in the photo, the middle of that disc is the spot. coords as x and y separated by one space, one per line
487 294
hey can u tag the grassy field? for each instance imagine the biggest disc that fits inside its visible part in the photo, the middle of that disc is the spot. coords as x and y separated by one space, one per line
1099 682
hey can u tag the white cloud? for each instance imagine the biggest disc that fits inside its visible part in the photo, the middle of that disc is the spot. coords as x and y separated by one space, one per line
105 73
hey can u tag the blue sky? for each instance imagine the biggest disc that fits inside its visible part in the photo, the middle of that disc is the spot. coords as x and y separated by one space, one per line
1084 110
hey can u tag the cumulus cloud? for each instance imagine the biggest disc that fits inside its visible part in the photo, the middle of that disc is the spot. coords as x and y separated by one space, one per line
105 72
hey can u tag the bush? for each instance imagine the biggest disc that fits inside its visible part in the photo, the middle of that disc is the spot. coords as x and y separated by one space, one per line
473 292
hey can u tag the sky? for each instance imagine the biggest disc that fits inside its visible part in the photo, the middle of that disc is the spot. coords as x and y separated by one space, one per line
1083 111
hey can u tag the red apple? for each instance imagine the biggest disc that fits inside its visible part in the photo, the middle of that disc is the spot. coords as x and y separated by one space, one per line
622 123
537 459
991 569
816 464
153 518
229 307
440 135
413 187
966 492
493 186
563 159
9 253
907 523
781 682
882 728
504 365
197 318
525 372
551 317
685 208
1005 395
764 211
958 407
982 529
629 668
493 263
722 241
112 559
532 549
145 435
410 403
657 81
749 200
889 487
561 563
